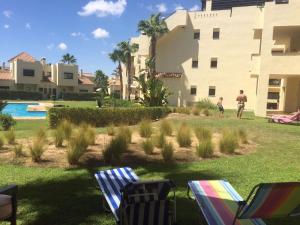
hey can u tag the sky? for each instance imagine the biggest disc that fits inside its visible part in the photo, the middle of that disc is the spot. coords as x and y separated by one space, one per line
89 30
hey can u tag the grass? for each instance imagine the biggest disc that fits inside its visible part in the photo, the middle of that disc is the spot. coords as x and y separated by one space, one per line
276 159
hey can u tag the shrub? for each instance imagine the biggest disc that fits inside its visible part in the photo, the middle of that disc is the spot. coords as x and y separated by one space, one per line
166 127
24 95
126 133
145 129
167 152
196 111
10 136
184 136
105 116
229 142
206 104
111 130
243 137
37 149
1 141
6 121
205 149
206 112
80 96
77 147
18 151
183 110
67 128
203 134
148 147
90 134
160 140
41 135
58 135
113 152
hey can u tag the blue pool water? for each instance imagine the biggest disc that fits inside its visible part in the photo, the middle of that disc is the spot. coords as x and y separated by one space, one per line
20 110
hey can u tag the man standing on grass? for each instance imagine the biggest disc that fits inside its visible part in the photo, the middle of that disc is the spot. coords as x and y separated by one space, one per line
241 99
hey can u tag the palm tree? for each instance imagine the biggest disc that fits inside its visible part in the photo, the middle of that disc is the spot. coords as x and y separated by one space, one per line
154 28
117 57
69 59
127 50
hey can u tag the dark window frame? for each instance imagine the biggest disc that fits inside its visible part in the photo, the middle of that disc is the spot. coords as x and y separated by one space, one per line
197 35
212 88
214 63
195 64
216 33
28 72
193 90
67 76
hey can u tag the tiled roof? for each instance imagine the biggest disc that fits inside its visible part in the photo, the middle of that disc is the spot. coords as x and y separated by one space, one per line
23 56
5 75
85 80
168 75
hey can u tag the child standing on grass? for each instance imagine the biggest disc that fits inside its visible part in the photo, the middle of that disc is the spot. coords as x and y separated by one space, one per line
220 106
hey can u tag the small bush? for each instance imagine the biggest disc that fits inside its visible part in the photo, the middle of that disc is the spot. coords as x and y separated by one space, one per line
145 129
37 149
196 111
203 134
206 104
148 147
229 142
184 136
111 130
1 141
243 137
205 149
113 152
90 134
6 121
67 128
58 135
160 140
126 133
10 136
166 127
167 152
183 110
18 151
77 147
41 135
206 112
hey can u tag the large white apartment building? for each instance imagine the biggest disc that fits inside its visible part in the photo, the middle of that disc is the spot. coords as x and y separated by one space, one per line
27 74
230 45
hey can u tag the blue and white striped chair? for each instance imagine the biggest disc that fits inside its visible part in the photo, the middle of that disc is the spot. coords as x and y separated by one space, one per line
133 202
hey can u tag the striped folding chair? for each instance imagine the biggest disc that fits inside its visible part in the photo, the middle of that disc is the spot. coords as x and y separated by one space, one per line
133 202
220 204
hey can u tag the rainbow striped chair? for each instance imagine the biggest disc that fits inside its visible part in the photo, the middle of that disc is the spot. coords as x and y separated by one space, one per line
220 204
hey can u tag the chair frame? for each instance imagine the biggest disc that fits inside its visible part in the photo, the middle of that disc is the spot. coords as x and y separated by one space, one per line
12 191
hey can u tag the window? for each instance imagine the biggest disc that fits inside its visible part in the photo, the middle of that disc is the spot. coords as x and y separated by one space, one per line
28 73
212 91
216 33
40 89
83 90
272 106
193 90
214 63
197 35
4 88
281 1
68 76
195 64
274 95
274 82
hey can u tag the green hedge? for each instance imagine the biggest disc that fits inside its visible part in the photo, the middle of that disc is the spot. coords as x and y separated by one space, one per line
79 96
106 116
15 95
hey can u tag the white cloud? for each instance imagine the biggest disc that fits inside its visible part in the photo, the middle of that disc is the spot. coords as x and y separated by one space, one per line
62 46
50 46
100 33
178 7
162 8
103 52
7 13
102 8
76 34
195 8
6 26
28 26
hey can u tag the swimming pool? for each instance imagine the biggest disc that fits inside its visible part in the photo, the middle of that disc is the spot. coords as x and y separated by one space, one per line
19 110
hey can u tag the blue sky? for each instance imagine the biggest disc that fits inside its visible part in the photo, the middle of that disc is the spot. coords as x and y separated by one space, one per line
87 29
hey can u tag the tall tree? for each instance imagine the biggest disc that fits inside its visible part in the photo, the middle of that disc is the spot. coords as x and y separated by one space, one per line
127 50
69 59
101 81
117 57
154 28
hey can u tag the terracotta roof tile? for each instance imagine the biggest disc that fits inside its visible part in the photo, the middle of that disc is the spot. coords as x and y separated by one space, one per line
23 56
5 75
85 80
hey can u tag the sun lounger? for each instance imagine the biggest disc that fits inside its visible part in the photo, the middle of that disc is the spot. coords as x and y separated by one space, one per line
134 202
220 204
286 119
8 204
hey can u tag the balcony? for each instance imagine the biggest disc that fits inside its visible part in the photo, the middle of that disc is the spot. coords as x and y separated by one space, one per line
285 63
177 19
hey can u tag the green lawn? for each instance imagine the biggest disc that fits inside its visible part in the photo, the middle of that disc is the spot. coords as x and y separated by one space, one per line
52 196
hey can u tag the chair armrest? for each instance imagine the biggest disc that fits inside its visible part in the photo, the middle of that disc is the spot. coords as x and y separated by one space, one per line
9 190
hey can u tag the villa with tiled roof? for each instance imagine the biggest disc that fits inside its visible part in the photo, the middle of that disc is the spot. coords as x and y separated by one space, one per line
25 73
